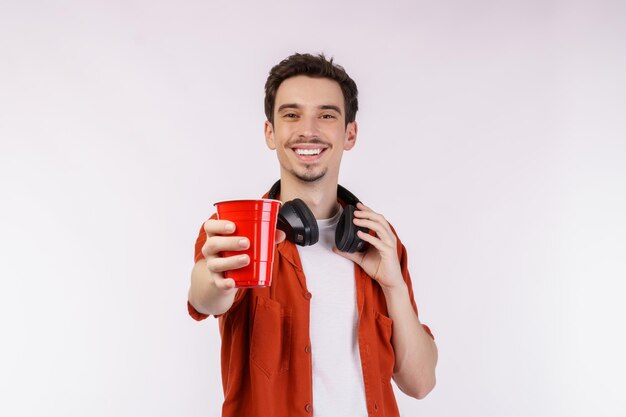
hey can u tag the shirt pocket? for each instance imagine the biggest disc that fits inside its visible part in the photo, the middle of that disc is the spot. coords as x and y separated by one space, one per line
271 337
384 328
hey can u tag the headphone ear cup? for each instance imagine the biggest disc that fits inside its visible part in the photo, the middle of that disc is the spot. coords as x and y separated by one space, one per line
298 223
346 238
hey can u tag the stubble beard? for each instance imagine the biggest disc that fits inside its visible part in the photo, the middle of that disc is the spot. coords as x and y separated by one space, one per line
309 176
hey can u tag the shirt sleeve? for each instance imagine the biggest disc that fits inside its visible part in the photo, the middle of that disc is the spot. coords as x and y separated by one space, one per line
198 256
403 256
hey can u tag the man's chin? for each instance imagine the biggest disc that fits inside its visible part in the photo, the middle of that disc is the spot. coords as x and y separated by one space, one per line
309 176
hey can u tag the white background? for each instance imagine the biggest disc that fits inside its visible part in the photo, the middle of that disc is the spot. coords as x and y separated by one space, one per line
492 135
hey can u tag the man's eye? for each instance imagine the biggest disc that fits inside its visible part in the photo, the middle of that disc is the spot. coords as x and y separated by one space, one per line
328 116
290 115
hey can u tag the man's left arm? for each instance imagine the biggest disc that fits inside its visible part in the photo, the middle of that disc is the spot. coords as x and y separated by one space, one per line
414 349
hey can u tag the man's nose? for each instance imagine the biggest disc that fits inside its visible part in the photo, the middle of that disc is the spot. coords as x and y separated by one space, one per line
309 127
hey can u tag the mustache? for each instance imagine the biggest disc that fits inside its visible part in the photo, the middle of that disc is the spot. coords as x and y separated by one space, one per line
300 141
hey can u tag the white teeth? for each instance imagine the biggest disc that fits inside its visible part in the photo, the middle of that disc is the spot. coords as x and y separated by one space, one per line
308 151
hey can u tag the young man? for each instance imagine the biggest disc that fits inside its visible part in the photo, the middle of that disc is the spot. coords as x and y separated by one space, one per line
334 327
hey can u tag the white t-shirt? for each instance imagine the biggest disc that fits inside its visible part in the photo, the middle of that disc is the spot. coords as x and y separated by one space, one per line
338 388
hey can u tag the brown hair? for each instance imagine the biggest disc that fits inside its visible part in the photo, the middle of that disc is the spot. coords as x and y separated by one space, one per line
312 66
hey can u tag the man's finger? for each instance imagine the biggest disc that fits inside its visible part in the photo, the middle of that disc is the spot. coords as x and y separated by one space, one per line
382 232
225 283
372 215
219 227
372 240
362 206
229 263
216 244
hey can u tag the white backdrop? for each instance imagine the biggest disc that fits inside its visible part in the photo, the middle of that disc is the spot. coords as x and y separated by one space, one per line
496 130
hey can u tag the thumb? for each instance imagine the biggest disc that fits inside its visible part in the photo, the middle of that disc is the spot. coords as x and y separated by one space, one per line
354 257
280 236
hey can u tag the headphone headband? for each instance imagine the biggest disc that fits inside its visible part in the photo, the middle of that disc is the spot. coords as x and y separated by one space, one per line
342 192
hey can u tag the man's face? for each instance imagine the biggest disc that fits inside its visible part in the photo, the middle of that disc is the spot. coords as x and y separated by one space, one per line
309 132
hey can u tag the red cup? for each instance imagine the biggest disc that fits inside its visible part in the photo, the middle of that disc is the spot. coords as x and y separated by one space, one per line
256 220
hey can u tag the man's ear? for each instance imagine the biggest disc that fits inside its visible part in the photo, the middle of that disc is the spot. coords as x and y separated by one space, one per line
350 140
269 135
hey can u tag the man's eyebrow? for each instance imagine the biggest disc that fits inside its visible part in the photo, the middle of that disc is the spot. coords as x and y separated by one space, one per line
297 106
289 106
331 107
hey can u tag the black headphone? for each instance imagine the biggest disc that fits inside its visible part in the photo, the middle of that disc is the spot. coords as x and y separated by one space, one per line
300 226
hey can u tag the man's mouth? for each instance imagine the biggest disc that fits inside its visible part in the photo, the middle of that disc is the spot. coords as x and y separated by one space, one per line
308 151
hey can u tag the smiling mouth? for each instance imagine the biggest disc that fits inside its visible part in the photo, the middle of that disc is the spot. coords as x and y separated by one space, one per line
315 151
309 154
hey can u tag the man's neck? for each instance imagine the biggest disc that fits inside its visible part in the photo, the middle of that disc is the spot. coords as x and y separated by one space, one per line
320 196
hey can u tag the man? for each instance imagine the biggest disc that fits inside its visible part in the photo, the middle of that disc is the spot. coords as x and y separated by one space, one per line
334 327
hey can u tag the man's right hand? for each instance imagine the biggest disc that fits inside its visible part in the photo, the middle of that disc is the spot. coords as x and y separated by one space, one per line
210 292
217 240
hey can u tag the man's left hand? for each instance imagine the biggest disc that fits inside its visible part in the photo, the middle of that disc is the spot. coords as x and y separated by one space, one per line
380 260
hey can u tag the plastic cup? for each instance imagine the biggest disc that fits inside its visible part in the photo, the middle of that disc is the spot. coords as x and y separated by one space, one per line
256 220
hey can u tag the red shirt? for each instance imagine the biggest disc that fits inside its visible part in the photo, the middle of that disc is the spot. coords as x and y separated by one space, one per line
266 350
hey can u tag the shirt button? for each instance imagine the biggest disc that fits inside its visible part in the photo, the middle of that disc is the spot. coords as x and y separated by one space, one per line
307 349
308 295
308 408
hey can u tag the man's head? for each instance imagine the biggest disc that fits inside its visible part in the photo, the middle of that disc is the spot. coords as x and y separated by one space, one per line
311 105
316 67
